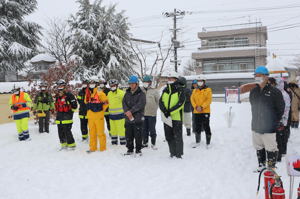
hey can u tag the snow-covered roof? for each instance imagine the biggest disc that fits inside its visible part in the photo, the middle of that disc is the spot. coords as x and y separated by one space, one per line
42 57
223 76
230 49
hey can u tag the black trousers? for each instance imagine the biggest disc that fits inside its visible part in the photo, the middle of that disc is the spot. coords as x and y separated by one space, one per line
286 138
107 122
65 134
149 129
174 138
44 122
84 127
282 139
202 122
133 131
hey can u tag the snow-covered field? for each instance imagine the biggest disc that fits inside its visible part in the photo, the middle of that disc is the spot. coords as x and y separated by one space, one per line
36 169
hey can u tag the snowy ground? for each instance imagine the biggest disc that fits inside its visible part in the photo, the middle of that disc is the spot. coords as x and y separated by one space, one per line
36 169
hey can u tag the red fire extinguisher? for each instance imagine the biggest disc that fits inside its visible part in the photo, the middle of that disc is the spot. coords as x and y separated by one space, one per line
273 185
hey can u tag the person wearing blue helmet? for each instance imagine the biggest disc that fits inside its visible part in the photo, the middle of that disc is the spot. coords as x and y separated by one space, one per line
152 100
267 106
134 103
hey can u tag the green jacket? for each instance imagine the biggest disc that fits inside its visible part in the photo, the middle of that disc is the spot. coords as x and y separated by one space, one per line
172 100
43 102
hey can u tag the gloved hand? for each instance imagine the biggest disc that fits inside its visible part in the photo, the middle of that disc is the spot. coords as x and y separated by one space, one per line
166 113
14 107
280 127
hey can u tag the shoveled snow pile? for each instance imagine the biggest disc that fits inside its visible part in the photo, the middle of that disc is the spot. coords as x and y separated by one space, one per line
36 169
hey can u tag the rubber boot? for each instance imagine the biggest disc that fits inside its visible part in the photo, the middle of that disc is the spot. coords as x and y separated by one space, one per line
188 132
261 157
272 158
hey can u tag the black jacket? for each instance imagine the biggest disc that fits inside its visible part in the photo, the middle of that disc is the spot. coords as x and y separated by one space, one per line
267 108
135 103
63 116
187 104
82 105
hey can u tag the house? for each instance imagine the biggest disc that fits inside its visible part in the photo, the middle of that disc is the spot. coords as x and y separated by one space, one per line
40 64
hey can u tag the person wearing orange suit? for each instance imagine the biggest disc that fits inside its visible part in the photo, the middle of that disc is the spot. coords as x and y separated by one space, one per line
201 99
97 104
20 104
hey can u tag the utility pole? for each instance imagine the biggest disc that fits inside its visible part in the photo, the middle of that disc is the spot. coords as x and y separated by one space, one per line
175 43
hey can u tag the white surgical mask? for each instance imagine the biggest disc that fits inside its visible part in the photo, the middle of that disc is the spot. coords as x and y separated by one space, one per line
43 88
170 82
101 85
113 88
92 85
145 84
84 85
259 79
200 83
16 92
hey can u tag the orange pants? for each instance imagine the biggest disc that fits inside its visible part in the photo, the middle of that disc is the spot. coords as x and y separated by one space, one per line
96 131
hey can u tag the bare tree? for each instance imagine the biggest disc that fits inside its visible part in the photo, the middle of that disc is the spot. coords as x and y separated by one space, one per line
189 68
151 62
58 41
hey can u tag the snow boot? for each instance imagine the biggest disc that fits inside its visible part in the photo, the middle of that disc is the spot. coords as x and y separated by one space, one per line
138 153
188 132
208 138
129 152
198 137
153 147
89 151
271 156
197 144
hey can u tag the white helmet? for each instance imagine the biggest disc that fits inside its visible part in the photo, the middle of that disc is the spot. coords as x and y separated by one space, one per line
201 77
94 79
173 74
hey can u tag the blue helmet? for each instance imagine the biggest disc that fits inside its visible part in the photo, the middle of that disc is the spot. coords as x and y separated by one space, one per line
261 70
194 81
133 79
147 78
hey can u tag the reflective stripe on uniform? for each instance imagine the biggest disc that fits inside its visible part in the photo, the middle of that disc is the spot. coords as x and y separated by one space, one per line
71 145
82 116
64 122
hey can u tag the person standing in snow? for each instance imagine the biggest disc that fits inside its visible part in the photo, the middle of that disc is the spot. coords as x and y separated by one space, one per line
102 86
171 104
96 103
282 133
293 86
267 107
194 86
201 99
83 110
187 110
43 105
116 113
20 104
65 105
134 103
152 100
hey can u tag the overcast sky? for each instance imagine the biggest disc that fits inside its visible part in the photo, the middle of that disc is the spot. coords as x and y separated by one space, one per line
147 21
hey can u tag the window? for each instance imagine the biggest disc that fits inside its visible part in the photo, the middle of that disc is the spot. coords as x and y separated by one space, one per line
228 65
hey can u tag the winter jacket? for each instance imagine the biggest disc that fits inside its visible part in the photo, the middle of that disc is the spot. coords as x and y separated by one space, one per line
295 104
23 102
43 102
172 101
66 117
115 99
201 97
267 106
287 101
187 104
135 102
82 104
152 100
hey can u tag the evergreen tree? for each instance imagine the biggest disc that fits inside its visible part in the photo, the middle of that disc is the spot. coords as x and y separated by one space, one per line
101 39
18 38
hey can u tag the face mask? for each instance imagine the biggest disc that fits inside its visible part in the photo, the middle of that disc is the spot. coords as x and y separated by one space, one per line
101 85
146 85
43 89
200 83
170 82
16 92
84 85
113 88
259 79
92 85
